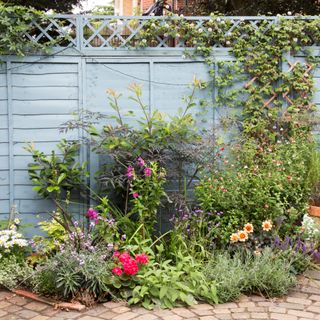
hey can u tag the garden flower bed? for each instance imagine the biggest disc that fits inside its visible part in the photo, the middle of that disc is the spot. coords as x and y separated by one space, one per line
239 209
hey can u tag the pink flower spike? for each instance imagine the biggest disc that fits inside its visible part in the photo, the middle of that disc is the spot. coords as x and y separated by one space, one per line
135 195
130 171
117 271
141 162
147 172
116 254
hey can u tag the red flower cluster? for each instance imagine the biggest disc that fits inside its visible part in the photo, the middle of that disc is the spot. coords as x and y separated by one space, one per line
130 266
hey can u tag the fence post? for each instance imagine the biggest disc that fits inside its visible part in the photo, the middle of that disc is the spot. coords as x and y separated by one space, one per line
79 32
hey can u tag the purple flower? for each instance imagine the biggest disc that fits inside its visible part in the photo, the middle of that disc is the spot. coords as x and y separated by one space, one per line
141 162
123 237
147 172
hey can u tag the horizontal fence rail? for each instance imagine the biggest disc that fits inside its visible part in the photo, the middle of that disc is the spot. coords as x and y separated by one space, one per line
110 32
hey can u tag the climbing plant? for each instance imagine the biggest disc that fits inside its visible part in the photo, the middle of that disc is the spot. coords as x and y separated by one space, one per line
18 34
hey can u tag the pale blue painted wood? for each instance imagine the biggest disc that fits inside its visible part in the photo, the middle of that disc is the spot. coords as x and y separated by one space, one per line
45 107
39 121
3 136
41 135
4 177
3 146
4 163
45 80
44 93
3 107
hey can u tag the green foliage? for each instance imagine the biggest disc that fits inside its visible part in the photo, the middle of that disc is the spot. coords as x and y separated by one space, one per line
45 5
167 284
15 22
69 273
252 7
268 274
256 185
56 174
146 192
14 273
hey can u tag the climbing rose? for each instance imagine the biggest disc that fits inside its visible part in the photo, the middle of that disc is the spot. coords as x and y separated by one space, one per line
117 271
147 172
130 267
142 258
124 257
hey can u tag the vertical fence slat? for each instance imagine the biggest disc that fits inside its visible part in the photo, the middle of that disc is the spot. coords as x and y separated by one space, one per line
10 133
151 77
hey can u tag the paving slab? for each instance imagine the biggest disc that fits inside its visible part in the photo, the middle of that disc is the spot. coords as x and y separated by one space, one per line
302 303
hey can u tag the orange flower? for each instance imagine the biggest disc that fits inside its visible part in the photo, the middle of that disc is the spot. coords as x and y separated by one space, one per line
248 227
234 238
267 225
243 235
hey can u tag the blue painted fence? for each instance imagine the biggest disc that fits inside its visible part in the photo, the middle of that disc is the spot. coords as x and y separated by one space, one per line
39 93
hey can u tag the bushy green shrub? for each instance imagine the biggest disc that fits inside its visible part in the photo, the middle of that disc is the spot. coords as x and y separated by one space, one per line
70 273
167 284
269 273
254 184
14 273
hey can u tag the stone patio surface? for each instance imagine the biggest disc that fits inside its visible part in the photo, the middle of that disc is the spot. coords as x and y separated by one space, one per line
302 303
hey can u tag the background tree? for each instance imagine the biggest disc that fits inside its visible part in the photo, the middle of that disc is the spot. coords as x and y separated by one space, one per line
253 7
45 5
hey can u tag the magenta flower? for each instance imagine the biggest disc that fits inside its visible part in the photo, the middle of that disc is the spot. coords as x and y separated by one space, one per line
147 172
93 215
130 171
141 162
135 195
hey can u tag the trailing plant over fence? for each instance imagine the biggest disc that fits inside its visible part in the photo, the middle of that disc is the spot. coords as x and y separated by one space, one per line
18 34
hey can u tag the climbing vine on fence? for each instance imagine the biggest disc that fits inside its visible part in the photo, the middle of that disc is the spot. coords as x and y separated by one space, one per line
275 94
18 34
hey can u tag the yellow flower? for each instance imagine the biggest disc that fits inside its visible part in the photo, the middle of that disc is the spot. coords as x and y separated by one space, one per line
234 238
267 225
248 227
243 235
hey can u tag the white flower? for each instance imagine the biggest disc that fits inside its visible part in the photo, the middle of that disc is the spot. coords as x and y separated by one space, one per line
183 56
165 35
181 15
16 221
167 6
144 40
152 14
295 39
289 13
210 29
228 43
218 19
178 35
200 30
153 25
194 41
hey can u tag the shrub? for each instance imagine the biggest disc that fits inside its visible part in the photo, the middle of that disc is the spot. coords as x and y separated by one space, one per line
14 273
255 184
268 273
228 274
71 274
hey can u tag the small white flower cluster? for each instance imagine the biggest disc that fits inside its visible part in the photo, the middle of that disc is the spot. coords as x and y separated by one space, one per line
11 238
310 227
